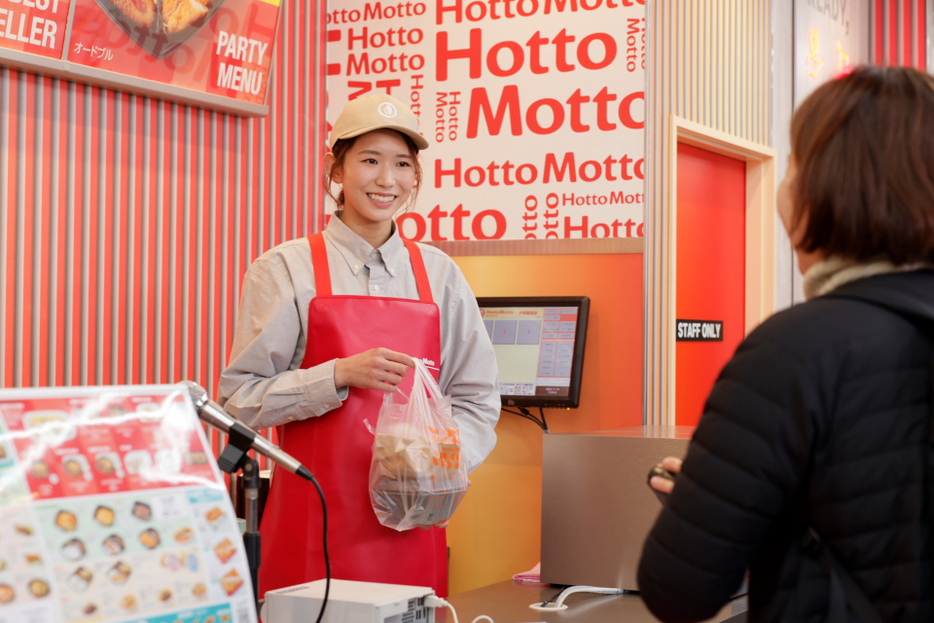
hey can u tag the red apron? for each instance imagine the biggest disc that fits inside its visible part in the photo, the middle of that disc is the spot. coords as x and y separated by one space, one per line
337 448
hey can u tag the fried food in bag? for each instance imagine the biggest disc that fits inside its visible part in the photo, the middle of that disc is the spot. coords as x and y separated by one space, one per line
417 475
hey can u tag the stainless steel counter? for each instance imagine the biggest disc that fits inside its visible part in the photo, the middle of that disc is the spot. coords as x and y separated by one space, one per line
508 602
597 508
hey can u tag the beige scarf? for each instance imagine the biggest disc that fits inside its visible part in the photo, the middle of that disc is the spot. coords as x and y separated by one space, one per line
833 272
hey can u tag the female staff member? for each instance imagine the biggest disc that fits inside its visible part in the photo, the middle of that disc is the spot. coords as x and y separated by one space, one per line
328 324
821 423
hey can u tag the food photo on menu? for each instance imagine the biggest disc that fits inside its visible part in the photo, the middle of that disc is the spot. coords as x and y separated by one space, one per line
130 555
160 27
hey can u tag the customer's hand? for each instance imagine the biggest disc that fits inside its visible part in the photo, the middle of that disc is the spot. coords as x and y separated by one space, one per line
673 465
377 368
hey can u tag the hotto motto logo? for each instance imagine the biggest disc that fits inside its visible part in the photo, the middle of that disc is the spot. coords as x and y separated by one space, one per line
387 110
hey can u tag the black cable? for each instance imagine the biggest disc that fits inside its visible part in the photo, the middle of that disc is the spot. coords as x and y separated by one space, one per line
522 415
552 598
543 424
539 424
531 419
527 416
327 559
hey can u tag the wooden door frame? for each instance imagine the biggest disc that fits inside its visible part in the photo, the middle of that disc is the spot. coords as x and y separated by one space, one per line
760 232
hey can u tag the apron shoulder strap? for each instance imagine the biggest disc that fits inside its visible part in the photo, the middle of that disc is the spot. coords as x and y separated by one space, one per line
421 275
319 259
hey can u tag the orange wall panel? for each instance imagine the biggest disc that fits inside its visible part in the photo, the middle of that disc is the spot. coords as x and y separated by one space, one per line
496 532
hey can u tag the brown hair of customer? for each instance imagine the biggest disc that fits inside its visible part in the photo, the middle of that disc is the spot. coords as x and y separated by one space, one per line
863 145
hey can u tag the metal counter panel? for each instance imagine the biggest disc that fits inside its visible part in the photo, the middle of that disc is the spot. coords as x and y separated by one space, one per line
597 507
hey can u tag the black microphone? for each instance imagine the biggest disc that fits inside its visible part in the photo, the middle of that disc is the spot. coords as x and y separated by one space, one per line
212 414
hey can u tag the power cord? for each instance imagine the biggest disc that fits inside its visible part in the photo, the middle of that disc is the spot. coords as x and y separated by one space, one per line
525 413
433 601
559 600
324 537
307 475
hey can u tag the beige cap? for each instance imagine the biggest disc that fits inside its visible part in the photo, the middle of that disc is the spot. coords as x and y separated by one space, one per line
376 112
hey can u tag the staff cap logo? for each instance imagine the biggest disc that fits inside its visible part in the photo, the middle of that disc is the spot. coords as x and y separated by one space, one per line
387 110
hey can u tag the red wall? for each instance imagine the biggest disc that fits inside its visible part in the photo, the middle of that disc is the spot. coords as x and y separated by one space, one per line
126 223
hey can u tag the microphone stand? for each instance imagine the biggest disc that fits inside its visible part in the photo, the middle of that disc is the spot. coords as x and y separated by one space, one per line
235 457
240 440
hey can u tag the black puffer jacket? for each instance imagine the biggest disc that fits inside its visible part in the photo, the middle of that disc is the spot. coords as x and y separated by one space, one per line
824 414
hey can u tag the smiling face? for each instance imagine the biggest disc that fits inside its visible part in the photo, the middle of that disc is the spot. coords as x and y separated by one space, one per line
377 174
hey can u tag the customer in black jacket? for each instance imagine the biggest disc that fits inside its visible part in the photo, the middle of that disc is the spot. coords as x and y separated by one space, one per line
824 414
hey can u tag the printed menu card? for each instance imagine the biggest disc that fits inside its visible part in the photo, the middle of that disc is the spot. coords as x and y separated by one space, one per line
113 510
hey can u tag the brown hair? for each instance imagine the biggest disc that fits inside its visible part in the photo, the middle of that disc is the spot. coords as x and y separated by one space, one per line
340 150
863 146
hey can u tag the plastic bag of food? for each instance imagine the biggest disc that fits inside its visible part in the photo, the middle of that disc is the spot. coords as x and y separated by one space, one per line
417 475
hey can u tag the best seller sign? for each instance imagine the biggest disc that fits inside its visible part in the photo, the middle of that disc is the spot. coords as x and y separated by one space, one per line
534 110
34 26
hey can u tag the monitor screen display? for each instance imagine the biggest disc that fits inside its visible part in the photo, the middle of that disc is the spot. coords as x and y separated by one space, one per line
539 346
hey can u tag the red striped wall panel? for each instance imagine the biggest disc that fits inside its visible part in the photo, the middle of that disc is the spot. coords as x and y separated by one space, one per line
899 33
127 223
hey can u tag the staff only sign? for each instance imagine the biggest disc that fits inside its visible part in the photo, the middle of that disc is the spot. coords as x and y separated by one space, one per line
534 110
700 331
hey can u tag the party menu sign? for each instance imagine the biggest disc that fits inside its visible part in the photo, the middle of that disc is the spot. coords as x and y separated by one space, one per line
112 510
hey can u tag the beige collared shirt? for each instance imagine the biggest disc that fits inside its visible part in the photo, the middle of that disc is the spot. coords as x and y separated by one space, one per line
263 384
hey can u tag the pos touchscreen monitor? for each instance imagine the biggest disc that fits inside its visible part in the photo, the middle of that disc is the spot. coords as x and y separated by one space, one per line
539 345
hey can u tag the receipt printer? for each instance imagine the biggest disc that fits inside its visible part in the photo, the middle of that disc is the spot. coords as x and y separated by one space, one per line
349 602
